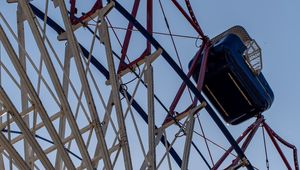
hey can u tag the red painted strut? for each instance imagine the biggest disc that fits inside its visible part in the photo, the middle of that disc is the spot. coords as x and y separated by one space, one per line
73 11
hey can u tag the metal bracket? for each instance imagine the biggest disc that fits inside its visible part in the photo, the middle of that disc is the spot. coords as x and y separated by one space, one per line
11 1
55 3
182 115
242 163
101 12
151 58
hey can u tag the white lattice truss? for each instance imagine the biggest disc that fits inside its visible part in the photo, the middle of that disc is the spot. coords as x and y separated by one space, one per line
56 112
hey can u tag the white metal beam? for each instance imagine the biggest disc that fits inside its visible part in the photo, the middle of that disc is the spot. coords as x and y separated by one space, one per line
67 139
13 153
104 37
62 120
151 117
188 141
106 121
23 127
85 85
1 161
21 136
25 112
2 111
64 102
21 38
34 97
104 10
160 130
12 109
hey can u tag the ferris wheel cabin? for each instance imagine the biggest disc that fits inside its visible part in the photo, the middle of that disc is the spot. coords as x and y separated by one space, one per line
233 81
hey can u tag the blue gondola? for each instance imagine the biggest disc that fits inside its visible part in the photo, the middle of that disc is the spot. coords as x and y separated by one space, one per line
231 85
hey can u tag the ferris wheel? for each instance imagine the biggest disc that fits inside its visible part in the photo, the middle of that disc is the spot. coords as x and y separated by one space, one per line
129 85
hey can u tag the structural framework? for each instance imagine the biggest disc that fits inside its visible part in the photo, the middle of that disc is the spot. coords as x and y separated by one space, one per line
93 84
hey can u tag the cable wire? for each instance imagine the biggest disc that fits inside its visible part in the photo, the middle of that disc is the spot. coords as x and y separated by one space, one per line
43 139
173 41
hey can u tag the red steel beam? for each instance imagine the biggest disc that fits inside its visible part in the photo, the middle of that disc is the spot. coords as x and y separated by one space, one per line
128 35
246 142
240 138
202 70
274 135
183 85
190 20
73 10
270 133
